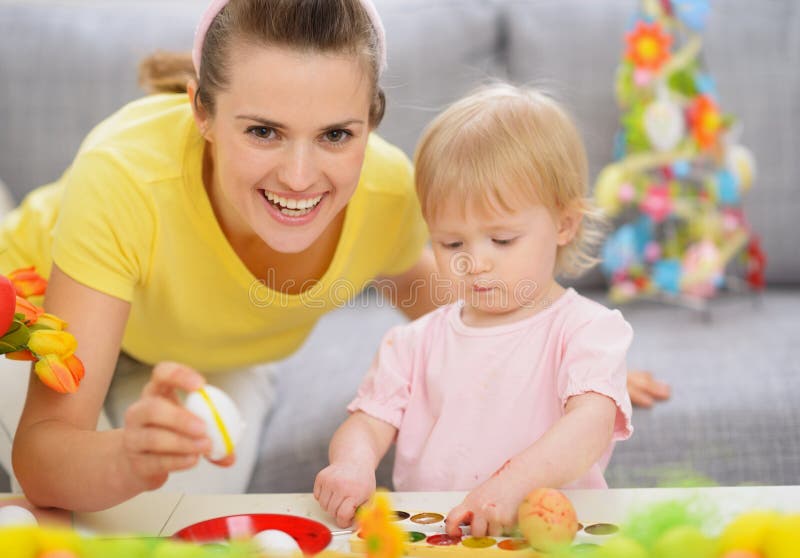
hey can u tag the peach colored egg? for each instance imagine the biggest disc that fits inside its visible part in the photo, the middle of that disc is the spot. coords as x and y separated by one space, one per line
547 519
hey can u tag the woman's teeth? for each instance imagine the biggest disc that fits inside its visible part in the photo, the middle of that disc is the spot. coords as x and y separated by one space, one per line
292 207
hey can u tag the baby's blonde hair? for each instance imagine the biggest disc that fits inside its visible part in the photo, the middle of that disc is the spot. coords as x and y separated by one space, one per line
503 147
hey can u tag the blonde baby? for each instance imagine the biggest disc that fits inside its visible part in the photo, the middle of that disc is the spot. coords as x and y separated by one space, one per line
520 382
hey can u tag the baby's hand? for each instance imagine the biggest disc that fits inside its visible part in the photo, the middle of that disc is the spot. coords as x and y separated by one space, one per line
341 487
490 509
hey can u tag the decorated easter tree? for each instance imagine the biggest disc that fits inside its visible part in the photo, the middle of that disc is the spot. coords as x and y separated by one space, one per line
675 189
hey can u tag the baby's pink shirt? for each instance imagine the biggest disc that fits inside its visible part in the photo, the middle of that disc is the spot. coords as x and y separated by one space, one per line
466 399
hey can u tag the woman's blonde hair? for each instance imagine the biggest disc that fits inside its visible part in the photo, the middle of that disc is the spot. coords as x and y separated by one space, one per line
319 26
504 147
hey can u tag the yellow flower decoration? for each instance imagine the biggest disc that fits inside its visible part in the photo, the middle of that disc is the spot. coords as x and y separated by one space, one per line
376 525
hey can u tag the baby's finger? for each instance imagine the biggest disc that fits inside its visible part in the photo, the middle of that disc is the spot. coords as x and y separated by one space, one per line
479 527
325 499
495 529
335 501
162 441
454 519
318 486
169 376
346 512
160 412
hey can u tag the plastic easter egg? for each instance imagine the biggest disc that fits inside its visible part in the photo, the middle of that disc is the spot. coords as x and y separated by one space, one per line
664 124
276 542
693 13
684 541
746 531
703 263
782 538
224 423
16 516
742 165
547 519
667 275
606 189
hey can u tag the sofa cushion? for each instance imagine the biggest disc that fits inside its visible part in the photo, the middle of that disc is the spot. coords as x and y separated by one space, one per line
437 52
68 65
733 416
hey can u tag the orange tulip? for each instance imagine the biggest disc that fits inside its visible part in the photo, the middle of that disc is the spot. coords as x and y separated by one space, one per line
29 310
61 375
24 354
51 342
27 282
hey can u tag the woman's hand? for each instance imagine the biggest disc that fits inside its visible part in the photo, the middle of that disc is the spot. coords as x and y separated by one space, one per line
159 435
645 390
343 486
490 509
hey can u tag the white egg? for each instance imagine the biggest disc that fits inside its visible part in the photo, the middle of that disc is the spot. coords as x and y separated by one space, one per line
224 423
15 516
664 124
275 542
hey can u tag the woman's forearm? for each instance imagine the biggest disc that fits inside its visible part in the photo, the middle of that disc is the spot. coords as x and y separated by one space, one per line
59 465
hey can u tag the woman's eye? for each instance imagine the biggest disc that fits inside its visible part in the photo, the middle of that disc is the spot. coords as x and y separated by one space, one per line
503 241
261 132
337 136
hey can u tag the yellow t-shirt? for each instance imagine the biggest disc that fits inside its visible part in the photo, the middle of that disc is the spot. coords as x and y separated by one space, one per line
131 218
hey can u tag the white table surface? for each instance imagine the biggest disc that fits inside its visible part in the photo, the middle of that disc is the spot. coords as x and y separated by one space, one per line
162 514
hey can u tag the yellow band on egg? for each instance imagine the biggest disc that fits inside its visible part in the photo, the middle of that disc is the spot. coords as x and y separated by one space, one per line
226 439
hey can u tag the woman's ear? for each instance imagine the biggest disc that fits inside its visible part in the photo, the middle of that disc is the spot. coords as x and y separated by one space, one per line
569 221
201 116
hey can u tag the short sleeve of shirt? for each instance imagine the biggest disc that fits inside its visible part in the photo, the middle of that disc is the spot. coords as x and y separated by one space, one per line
386 389
413 236
103 235
595 361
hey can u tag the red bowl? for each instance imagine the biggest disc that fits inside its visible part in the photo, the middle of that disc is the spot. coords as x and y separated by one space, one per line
311 536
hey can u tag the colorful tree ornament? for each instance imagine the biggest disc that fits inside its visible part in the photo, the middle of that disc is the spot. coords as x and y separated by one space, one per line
678 165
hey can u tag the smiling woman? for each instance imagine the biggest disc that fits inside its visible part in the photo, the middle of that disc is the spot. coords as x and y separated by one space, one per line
264 172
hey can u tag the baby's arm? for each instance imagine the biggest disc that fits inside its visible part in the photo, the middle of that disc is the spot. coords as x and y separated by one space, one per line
563 454
356 450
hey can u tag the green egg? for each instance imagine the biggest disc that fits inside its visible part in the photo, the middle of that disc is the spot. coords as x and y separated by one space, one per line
620 547
684 541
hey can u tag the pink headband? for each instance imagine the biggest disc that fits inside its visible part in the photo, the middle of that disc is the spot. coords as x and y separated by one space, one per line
215 7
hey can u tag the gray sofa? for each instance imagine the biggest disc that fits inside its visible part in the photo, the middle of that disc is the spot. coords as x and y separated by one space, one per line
734 416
